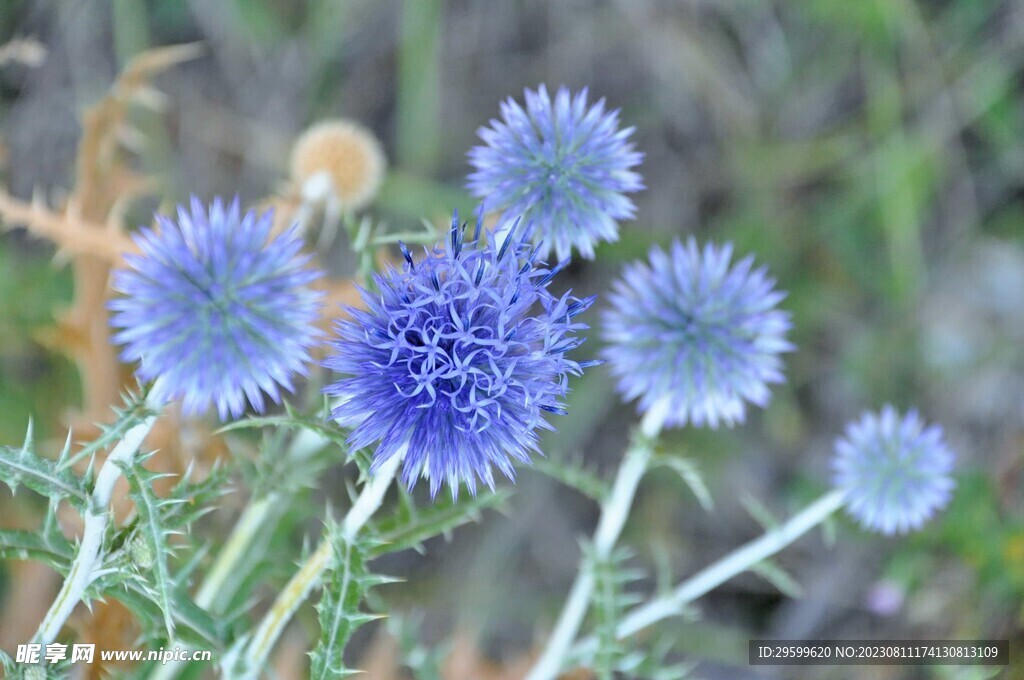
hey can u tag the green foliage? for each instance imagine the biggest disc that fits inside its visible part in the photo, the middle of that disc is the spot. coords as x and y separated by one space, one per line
192 625
409 526
34 381
7 663
150 549
653 663
778 577
995 555
51 479
689 473
139 568
345 585
610 600
425 661
16 544
131 414
575 476
316 444
759 511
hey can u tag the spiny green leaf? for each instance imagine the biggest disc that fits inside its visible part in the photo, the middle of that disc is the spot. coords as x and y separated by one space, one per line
409 526
778 577
51 531
345 584
154 535
133 413
23 466
651 664
759 512
690 474
30 545
193 625
194 499
575 476
291 420
608 602
424 661
282 472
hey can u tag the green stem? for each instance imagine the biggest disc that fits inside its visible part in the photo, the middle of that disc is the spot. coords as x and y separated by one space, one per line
97 516
736 562
308 576
614 513
221 582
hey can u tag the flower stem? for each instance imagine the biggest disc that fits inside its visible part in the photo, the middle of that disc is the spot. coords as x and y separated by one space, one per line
736 562
217 586
96 517
258 517
308 576
614 513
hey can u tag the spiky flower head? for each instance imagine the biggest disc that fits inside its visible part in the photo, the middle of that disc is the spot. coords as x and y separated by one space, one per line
216 307
561 165
695 337
340 158
456 359
896 471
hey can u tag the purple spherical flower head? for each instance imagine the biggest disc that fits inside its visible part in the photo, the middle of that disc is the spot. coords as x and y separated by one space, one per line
561 166
896 472
695 338
456 359
216 307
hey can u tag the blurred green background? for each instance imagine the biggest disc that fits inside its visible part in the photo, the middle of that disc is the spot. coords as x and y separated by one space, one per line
868 152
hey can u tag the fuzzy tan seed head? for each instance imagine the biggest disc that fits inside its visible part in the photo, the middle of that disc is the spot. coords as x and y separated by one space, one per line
339 157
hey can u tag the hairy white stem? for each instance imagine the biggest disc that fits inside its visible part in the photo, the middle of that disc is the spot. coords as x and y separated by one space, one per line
306 579
614 513
96 519
736 562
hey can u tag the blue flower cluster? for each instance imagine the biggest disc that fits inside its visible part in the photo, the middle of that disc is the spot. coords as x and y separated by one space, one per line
896 471
695 337
560 165
456 359
217 307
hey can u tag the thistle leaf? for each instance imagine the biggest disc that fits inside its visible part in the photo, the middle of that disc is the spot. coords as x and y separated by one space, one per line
153 534
193 625
778 577
279 472
608 603
345 584
691 476
652 663
30 545
133 413
761 514
409 526
318 425
575 476
46 477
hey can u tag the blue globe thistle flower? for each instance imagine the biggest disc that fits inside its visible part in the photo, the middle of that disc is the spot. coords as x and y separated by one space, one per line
216 307
560 165
694 337
896 472
456 360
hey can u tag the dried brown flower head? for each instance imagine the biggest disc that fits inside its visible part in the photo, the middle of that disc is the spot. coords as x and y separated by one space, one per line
339 159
